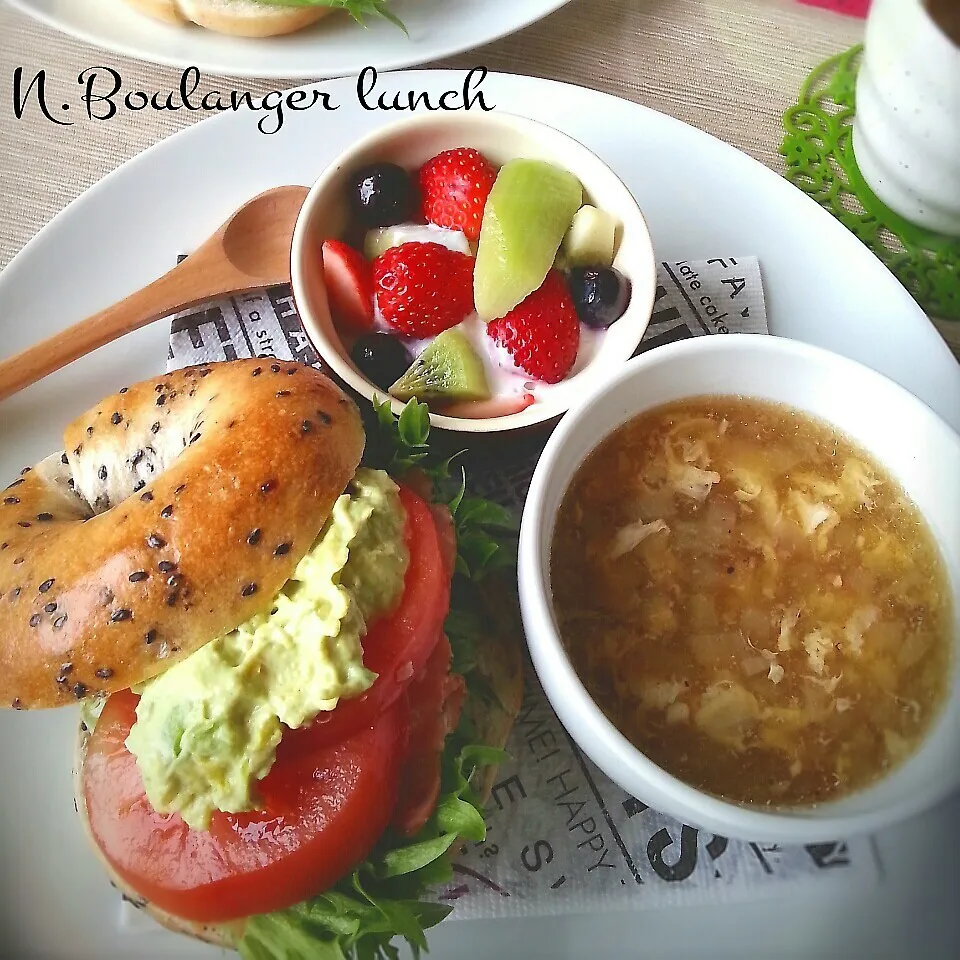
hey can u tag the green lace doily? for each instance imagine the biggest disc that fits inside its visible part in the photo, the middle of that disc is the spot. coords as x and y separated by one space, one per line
818 148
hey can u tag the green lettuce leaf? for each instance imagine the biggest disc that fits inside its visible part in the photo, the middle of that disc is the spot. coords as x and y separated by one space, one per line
383 897
358 9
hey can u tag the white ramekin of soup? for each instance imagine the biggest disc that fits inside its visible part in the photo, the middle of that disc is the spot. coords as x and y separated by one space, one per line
739 569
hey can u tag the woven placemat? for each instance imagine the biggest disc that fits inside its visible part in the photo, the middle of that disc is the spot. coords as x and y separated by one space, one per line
818 148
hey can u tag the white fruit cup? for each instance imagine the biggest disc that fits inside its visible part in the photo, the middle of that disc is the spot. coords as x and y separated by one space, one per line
906 134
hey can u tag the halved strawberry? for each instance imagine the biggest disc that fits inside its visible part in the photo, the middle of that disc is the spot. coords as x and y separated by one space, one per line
454 187
423 289
541 333
349 281
482 409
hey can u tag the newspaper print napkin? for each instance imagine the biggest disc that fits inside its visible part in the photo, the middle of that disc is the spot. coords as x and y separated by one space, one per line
561 837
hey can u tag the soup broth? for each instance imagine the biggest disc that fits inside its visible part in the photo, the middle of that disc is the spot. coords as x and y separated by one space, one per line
752 601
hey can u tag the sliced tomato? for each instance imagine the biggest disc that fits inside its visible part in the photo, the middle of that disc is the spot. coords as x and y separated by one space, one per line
436 699
325 809
397 647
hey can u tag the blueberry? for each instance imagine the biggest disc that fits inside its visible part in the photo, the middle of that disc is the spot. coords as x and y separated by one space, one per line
382 194
382 359
600 294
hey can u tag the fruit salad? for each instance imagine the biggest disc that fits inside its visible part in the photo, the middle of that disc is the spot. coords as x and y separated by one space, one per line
470 287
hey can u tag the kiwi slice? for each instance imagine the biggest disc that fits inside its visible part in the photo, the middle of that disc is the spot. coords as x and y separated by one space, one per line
529 210
447 370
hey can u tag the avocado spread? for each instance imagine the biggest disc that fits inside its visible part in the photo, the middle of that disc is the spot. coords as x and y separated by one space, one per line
209 727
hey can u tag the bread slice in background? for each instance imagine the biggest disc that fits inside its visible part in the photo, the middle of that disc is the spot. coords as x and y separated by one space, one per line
238 18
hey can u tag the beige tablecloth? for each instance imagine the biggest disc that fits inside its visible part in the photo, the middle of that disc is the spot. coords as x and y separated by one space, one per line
729 67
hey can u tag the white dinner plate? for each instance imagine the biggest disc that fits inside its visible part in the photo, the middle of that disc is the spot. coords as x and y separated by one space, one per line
701 198
335 47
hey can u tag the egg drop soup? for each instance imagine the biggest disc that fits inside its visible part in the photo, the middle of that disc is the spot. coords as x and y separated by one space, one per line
752 601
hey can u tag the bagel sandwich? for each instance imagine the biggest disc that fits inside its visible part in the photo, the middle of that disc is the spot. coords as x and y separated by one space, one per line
257 18
296 666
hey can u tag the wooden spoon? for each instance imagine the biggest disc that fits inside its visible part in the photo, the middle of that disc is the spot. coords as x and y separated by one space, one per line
250 251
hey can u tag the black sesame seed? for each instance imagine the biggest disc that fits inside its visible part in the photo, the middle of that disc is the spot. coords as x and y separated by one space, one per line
291 371
325 417
80 690
156 542
71 484
306 426
47 584
90 431
275 367
16 483
249 590
25 470
180 489
4 545
44 517
77 449
140 484
60 621
195 438
161 400
282 549
173 394
138 576
10 501
18 561
203 373
17 704
267 486
65 670
256 372
102 472
273 611
119 615
253 538
174 580
50 607
146 497
167 511
136 458
116 418
150 636
63 459
15 594
283 393
165 566
23 523
124 389
104 673
35 619
155 427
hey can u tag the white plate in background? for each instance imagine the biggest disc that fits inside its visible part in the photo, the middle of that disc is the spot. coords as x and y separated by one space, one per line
701 198
335 47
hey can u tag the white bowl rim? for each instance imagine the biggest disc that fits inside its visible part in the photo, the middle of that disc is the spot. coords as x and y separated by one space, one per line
643 278
549 656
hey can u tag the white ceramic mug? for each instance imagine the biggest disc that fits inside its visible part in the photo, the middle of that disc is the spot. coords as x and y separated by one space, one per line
906 135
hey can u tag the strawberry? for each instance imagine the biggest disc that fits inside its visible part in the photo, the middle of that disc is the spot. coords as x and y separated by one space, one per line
541 333
349 280
423 288
454 187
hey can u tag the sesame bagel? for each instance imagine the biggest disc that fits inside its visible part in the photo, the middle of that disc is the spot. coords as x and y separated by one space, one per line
178 510
239 18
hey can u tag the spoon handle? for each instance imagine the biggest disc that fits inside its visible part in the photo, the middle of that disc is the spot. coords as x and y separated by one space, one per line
186 285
